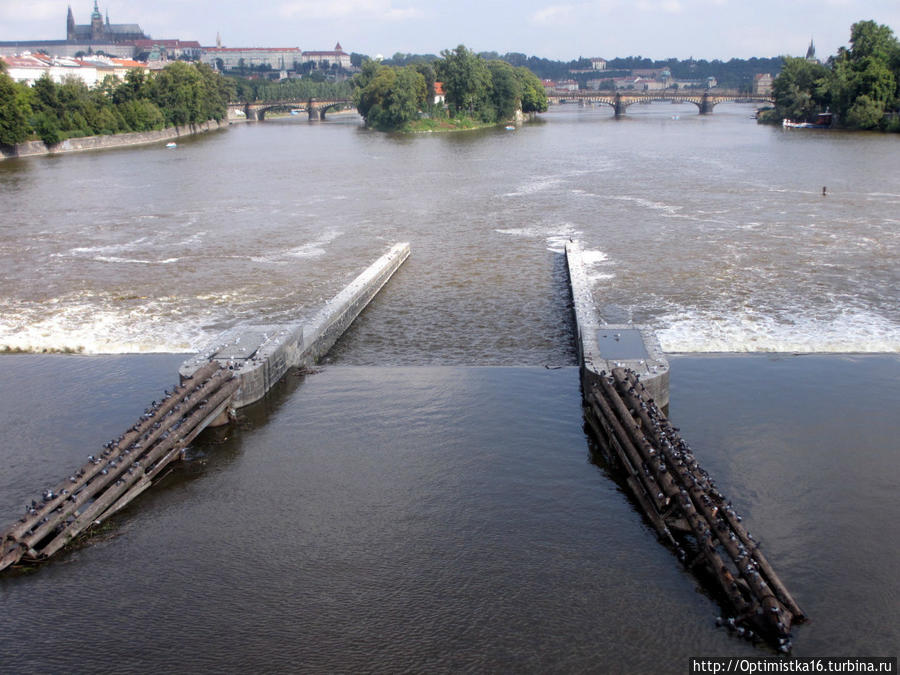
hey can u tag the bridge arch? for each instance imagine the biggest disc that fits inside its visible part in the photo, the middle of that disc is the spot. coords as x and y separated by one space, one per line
261 112
317 110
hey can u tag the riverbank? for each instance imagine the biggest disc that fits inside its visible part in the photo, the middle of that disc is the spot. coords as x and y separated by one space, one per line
85 143
427 125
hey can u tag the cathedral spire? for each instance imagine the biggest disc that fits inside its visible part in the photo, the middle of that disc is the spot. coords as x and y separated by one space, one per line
70 25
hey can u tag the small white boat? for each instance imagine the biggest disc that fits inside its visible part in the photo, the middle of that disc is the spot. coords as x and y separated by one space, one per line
510 127
788 124
171 145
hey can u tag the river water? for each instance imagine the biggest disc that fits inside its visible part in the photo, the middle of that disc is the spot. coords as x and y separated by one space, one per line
429 501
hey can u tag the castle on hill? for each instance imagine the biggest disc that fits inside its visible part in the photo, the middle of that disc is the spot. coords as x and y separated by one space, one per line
99 30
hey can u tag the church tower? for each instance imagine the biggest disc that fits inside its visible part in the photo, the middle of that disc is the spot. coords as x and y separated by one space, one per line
70 26
811 52
96 23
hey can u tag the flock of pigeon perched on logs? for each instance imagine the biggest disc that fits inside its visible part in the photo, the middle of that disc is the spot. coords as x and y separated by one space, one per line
124 468
686 508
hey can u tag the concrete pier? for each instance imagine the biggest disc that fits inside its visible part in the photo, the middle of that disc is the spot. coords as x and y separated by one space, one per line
603 346
260 355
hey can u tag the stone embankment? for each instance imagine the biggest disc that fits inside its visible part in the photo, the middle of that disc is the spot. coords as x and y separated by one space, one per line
36 148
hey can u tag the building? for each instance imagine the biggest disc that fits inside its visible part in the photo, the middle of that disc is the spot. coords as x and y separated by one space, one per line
29 68
598 63
762 84
99 30
121 40
811 53
325 60
167 50
250 58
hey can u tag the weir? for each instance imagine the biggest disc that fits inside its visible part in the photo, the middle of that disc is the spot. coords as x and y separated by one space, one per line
625 384
234 372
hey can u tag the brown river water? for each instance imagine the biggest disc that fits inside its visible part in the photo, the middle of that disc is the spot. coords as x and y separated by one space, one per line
429 501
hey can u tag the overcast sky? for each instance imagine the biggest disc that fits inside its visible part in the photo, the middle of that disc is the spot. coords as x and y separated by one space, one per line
555 29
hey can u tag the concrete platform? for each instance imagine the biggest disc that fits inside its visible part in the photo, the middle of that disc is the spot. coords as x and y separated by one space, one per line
603 346
261 355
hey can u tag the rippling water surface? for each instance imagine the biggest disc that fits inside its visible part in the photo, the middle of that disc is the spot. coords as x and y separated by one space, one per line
438 519
712 229
446 513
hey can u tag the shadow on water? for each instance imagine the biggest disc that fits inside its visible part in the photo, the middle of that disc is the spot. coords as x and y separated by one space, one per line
216 448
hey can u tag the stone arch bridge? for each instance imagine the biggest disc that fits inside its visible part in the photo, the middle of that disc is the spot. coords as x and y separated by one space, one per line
705 100
314 107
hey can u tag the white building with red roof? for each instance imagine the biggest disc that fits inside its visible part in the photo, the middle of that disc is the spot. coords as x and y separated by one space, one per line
325 60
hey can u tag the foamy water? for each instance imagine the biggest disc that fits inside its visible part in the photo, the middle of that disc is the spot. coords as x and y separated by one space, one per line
712 231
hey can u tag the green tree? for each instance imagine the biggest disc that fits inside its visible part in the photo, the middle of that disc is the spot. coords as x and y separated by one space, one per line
14 112
141 115
190 93
799 90
869 70
467 81
46 127
426 70
135 86
388 97
506 90
534 98
865 113
45 95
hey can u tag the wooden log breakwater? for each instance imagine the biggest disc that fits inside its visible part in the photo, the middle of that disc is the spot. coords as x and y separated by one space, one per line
123 469
238 369
625 382
686 508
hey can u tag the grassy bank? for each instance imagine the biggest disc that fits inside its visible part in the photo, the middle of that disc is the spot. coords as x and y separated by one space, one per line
428 125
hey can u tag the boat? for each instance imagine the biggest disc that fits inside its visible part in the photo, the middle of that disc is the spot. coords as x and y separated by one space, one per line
823 121
171 145
510 127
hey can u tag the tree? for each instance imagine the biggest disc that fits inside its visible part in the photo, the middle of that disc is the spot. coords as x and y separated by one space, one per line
13 112
534 98
426 70
799 90
506 90
870 69
388 97
190 93
47 128
467 81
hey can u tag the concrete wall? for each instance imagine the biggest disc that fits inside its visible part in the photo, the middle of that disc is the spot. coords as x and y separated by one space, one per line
35 148
261 355
603 346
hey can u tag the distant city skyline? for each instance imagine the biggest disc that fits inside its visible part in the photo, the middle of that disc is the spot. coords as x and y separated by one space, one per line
657 29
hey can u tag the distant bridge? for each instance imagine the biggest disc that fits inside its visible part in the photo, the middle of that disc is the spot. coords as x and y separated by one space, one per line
705 99
314 107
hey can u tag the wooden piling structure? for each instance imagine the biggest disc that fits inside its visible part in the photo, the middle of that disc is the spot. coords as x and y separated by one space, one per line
227 375
686 508
121 470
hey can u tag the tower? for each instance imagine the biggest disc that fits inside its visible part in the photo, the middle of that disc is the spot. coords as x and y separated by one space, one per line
811 52
96 23
70 26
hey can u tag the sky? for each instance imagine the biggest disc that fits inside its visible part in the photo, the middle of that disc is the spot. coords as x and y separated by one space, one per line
553 29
